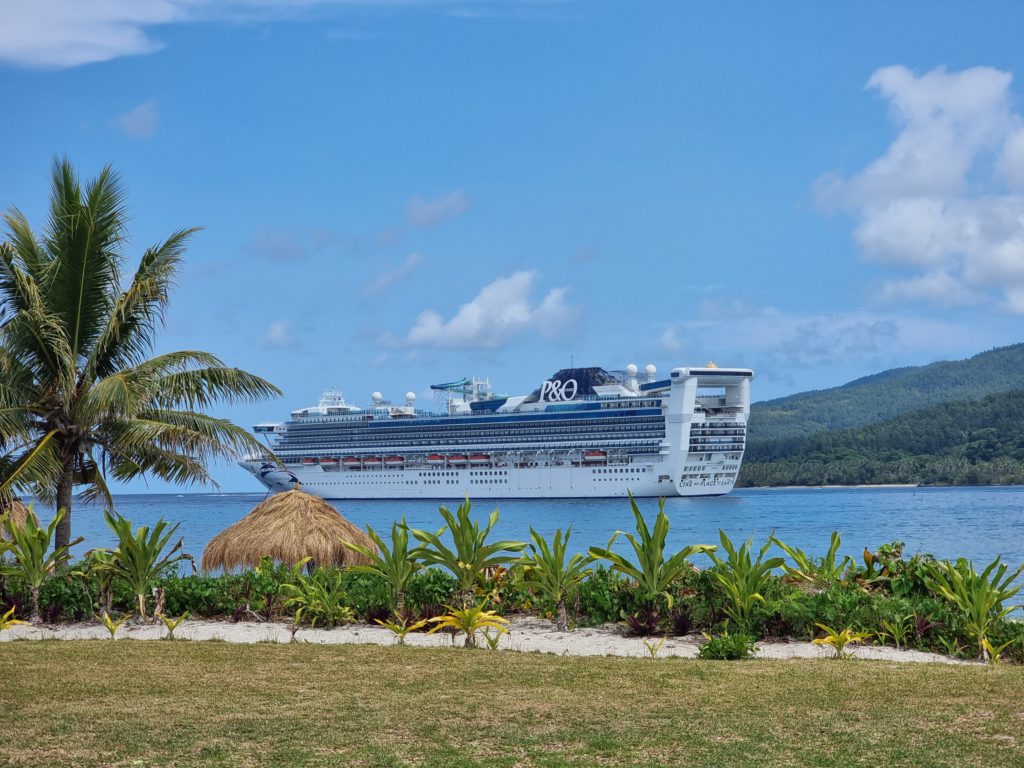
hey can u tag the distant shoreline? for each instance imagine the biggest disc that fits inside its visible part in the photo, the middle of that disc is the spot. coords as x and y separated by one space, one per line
848 487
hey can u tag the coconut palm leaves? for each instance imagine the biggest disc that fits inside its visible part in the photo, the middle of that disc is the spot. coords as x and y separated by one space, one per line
32 560
653 572
395 564
979 596
470 555
79 398
140 558
550 573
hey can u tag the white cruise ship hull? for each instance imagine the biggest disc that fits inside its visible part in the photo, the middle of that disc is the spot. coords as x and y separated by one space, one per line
680 436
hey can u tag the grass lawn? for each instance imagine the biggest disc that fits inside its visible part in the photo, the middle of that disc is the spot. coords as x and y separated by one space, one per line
129 703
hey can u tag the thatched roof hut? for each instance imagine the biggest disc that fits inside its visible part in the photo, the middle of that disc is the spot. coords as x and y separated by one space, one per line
287 527
19 514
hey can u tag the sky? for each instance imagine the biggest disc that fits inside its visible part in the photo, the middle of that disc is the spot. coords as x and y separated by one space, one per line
394 194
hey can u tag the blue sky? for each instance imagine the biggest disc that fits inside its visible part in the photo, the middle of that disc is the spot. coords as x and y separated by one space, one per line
398 193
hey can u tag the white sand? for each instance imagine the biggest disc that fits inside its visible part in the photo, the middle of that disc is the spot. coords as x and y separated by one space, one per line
526 634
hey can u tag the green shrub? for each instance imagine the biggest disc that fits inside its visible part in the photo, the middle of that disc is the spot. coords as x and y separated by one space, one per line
727 647
604 597
429 591
367 594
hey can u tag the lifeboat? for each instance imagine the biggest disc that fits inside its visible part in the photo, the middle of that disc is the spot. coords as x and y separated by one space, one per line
394 461
457 459
328 461
595 455
308 462
435 459
351 461
479 458
372 461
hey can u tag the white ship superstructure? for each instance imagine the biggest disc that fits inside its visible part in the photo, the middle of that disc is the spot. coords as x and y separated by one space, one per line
585 432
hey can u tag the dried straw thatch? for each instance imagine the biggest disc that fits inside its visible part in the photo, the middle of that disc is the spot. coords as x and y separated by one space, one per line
287 527
19 514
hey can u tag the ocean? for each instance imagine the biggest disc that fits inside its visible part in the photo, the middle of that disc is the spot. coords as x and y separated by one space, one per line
977 523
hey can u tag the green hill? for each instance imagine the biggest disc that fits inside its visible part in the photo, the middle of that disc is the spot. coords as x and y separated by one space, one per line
967 442
883 396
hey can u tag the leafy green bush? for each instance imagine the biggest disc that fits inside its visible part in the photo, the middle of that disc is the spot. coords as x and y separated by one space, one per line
429 591
727 647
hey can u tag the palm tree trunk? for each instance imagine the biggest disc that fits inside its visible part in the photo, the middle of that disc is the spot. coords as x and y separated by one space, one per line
562 623
142 609
35 617
65 487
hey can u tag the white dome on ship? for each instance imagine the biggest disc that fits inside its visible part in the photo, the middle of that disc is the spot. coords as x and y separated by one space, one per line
651 370
631 369
377 397
410 397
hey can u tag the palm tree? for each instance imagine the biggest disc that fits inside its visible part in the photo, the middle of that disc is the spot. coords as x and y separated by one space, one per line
80 398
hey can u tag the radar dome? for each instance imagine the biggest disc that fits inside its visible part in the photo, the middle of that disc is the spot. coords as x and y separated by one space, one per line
377 397
651 370
631 369
410 397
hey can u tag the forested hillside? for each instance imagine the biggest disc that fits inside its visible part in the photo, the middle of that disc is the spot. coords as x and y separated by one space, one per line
883 396
969 442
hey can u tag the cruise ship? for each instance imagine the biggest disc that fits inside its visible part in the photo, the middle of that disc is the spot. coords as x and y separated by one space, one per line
583 433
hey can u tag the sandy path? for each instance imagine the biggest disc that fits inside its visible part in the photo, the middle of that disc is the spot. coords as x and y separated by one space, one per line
526 634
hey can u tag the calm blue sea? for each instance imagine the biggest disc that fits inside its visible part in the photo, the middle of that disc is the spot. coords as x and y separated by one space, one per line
977 523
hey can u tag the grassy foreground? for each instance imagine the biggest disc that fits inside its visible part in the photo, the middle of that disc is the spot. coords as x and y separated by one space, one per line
125 703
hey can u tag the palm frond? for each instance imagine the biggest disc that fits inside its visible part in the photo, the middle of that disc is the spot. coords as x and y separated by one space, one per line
201 387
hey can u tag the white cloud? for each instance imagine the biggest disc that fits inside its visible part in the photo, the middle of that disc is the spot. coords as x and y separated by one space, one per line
389 279
501 311
422 213
942 202
55 34
278 334
141 121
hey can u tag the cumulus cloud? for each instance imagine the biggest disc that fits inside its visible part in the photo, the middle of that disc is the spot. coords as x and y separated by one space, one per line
501 311
944 203
421 214
141 121
387 280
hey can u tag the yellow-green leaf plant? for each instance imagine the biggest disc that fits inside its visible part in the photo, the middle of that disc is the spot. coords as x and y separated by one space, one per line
822 571
469 621
111 624
743 578
140 558
470 554
401 627
31 558
7 620
653 572
550 572
838 640
172 624
394 564
979 596
82 397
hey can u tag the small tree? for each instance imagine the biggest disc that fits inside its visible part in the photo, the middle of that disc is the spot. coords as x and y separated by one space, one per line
470 556
395 565
550 573
139 558
743 578
653 572
29 544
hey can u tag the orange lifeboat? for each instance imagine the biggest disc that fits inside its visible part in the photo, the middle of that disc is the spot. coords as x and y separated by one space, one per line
595 455
435 459
479 458
351 462
394 461
372 461
457 459
308 461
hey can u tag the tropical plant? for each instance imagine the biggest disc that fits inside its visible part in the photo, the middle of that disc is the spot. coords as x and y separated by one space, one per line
318 598
492 638
727 647
898 629
995 653
552 574
821 571
470 621
140 558
470 556
172 624
394 564
979 596
111 624
78 395
839 639
653 648
402 627
32 560
743 578
7 620
653 572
